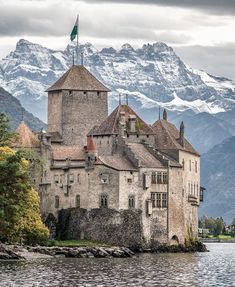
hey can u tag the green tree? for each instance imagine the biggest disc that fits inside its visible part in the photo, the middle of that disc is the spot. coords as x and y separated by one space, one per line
233 228
5 133
19 204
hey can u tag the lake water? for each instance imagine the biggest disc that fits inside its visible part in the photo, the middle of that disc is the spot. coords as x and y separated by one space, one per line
215 268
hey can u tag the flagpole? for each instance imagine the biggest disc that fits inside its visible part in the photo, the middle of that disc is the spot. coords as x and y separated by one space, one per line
77 37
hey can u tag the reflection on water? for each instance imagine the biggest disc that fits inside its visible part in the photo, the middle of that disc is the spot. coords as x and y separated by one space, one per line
216 268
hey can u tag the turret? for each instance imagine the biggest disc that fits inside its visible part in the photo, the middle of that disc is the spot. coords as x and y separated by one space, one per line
182 133
91 153
165 115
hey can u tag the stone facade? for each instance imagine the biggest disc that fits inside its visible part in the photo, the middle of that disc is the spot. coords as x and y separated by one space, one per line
114 178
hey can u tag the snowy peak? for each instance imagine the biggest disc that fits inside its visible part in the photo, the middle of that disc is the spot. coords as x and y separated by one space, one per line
153 75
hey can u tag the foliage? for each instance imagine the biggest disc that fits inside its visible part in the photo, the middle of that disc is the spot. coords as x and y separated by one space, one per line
233 228
19 203
216 226
5 134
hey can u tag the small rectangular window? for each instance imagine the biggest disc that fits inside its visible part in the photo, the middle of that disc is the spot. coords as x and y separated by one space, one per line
57 201
78 200
78 178
129 180
190 165
61 178
196 166
158 199
164 200
71 178
154 181
56 178
159 177
103 201
164 177
131 201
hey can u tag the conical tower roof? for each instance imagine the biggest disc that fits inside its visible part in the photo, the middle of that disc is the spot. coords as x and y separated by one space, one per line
78 78
25 138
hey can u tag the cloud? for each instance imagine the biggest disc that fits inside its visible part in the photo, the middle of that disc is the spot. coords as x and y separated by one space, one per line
217 7
218 60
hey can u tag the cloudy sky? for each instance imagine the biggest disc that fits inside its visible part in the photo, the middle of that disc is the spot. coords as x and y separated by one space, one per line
202 32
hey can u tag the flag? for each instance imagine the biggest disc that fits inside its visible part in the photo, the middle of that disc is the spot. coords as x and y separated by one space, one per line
74 32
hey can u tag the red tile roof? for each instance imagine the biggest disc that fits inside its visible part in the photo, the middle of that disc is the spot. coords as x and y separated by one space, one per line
78 78
70 152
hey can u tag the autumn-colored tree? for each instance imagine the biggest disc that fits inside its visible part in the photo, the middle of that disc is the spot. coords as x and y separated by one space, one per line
19 204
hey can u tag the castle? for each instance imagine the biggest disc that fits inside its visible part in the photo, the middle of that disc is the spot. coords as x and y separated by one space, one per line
114 173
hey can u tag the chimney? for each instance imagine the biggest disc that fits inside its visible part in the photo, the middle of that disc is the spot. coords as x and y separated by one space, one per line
182 133
122 123
132 119
91 153
91 147
165 115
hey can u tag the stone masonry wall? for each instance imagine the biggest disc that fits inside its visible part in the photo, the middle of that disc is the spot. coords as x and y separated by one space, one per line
123 228
81 111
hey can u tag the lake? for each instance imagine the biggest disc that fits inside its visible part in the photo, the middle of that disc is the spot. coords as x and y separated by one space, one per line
215 268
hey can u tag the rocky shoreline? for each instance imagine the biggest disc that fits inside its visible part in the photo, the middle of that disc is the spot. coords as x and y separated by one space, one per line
8 252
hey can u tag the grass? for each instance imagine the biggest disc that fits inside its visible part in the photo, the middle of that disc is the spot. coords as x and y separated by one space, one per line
76 243
223 237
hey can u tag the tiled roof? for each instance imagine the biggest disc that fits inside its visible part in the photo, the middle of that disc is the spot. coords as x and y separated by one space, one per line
25 138
145 157
167 137
70 152
78 78
110 125
117 162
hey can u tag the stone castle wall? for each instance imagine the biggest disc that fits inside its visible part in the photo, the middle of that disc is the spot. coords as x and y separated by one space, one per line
123 228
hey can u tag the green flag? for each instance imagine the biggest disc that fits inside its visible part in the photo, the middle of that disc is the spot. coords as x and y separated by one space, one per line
74 32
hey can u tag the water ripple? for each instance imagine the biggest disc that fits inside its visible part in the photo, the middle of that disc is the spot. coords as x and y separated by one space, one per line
215 268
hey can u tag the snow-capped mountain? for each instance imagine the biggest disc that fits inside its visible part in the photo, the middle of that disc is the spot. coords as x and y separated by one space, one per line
152 75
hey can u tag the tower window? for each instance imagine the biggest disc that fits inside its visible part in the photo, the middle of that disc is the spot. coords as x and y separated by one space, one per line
71 178
98 94
57 201
70 93
78 200
131 201
104 200
56 178
84 93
